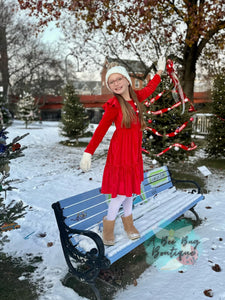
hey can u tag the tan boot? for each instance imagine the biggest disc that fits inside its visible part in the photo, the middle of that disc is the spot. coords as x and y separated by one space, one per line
108 232
129 227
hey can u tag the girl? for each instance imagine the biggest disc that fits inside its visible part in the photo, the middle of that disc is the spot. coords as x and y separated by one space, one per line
123 171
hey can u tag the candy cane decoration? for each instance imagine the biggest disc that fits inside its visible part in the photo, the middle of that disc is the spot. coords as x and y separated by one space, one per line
176 82
161 111
219 118
145 151
148 103
186 148
171 134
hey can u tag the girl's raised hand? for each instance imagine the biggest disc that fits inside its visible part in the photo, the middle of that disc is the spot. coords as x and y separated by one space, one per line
161 64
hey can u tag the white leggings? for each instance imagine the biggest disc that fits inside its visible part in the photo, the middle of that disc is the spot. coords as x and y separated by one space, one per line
115 204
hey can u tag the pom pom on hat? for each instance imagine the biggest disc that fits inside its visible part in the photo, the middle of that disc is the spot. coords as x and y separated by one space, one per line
114 70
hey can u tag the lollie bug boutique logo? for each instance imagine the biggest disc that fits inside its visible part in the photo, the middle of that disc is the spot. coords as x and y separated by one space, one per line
173 248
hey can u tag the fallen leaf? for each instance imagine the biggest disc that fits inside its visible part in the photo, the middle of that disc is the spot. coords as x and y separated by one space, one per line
216 268
42 235
208 293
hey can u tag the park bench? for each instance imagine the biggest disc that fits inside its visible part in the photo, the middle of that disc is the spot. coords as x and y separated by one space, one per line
79 220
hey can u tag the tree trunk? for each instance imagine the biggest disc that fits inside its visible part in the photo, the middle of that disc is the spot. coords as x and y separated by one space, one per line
4 79
190 59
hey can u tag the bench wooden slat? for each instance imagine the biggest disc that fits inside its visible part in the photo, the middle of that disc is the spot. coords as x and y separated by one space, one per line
84 212
95 193
79 206
88 222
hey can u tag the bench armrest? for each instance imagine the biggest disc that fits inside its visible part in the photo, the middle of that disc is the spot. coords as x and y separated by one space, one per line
187 181
100 251
94 260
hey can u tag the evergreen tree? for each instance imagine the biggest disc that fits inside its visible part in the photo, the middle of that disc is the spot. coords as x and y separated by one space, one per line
167 137
27 109
74 118
10 210
216 136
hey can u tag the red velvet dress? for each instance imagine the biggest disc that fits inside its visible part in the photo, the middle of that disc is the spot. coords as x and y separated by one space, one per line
123 171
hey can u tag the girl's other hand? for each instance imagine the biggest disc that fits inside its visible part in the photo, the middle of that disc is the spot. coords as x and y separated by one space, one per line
85 163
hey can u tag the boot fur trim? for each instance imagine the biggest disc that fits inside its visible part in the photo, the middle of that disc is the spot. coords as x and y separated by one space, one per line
129 227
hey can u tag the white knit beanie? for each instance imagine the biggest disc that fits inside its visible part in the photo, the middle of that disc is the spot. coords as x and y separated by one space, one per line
114 70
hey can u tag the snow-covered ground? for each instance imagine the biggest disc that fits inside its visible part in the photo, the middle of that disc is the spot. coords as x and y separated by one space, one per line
50 171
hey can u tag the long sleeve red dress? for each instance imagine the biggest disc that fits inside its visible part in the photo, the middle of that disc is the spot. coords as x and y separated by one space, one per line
123 172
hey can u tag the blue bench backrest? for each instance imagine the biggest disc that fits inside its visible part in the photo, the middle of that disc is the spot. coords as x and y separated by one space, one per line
87 209
84 210
155 181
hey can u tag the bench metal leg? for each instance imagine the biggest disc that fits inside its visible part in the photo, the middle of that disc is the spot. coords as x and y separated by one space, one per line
96 291
67 277
91 284
196 215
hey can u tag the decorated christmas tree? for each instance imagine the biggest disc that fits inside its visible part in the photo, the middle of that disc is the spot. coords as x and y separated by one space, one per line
167 137
10 209
74 118
216 136
27 109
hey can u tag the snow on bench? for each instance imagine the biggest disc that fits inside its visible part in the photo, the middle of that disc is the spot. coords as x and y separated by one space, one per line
79 220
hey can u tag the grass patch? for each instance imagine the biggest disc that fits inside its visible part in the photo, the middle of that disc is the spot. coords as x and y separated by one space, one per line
15 279
188 174
187 171
74 143
218 164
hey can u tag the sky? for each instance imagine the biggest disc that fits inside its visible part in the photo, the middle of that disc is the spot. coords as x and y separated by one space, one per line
52 35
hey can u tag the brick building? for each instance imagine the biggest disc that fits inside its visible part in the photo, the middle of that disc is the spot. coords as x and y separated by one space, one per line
94 94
